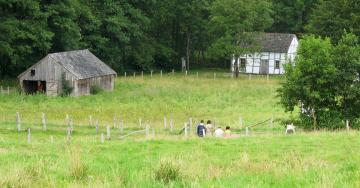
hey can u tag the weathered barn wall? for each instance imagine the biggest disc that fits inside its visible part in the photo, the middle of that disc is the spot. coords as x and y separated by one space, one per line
82 87
82 70
49 71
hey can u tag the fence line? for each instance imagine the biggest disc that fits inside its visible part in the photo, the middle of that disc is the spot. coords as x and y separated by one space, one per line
214 75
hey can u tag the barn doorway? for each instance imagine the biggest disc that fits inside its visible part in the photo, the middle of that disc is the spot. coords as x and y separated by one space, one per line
264 66
33 87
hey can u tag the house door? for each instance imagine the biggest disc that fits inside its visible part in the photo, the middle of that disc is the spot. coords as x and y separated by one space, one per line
264 66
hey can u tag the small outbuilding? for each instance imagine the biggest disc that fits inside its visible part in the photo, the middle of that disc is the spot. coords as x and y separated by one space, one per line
275 50
81 69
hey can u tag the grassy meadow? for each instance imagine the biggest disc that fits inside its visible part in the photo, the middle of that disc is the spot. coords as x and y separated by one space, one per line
266 158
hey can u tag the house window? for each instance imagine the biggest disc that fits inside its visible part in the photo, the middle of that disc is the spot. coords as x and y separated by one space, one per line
32 72
242 63
277 64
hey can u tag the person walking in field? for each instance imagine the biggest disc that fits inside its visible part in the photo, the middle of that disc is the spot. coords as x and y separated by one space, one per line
209 128
201 129
227 132
219 133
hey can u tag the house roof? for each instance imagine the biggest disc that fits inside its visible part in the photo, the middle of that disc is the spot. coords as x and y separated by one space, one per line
82 63
274 42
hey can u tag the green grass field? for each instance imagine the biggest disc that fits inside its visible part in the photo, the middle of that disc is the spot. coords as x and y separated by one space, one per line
266 158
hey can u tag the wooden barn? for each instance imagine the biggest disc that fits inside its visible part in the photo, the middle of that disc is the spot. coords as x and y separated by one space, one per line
80 69
275 50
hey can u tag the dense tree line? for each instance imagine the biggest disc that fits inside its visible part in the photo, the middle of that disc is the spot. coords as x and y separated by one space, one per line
150 34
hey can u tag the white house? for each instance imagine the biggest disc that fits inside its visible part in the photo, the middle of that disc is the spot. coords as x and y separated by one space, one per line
276 49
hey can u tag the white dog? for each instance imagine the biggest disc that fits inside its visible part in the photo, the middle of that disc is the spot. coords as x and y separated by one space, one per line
290 129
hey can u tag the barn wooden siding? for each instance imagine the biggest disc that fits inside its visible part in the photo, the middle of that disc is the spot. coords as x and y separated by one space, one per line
82 87
50 71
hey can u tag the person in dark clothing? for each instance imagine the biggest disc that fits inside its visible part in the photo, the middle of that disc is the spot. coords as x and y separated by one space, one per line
201 129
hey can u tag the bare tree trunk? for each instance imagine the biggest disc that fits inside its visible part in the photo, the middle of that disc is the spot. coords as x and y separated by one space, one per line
314 118
236 68
188 50
203 56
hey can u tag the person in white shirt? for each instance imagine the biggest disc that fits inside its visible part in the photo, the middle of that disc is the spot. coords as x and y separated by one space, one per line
219 132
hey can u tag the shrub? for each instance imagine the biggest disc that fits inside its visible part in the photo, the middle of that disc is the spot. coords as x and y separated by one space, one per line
95 89
167 172
65 86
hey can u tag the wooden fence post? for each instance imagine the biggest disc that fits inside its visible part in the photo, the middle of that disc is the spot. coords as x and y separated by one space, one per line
171 124
185 129
67 119
165 123
140 122
125 75
90 120
134 74
43 121
121 127
97 126
247 131
71 125
190 124
173 72
142 74
241 122
197 75
68 134
214 76
28 136
108 136
18 121
102 138
151 73
347 125
160 73
115 120
147 131
186 73
272 122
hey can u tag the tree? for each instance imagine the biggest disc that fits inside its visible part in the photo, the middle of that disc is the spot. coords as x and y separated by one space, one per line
310 81
24 36
62 16
331 17
234 22
347 62
290 16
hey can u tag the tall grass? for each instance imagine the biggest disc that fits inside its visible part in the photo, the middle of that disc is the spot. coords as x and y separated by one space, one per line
223 100
318 159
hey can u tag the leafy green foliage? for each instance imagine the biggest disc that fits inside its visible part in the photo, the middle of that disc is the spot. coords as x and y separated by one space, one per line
232 22
66 87
325 81
95 89
290 16
331 17
310 81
